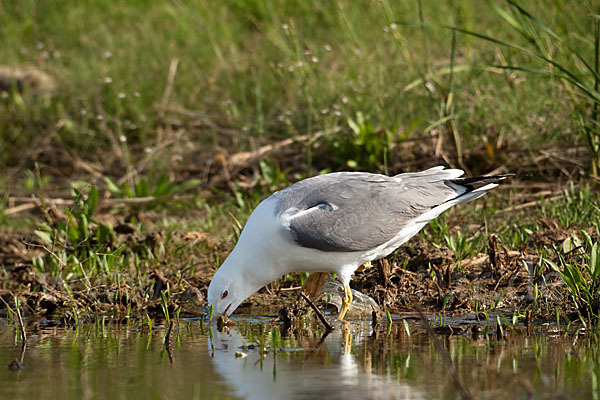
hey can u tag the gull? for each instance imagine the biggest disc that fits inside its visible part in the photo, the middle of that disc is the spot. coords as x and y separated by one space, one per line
334 223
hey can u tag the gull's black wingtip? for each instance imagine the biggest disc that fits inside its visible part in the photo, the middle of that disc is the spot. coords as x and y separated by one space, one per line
480 181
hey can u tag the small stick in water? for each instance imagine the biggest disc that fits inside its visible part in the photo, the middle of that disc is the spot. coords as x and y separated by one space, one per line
19 317
464 392
21 324
319 314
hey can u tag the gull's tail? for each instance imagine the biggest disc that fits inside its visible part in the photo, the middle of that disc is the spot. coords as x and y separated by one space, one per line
473 188
466 189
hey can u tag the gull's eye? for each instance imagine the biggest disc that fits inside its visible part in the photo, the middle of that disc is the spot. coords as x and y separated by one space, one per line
225 293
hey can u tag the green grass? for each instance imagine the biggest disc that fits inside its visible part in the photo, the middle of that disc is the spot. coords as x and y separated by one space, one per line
374 85
279 69
579 268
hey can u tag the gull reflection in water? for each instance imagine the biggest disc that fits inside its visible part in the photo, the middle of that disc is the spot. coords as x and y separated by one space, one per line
332 367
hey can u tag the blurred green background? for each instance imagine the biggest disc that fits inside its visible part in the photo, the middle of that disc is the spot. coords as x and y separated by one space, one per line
383 85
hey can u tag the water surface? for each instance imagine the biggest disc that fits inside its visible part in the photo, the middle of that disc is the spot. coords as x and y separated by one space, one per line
257 359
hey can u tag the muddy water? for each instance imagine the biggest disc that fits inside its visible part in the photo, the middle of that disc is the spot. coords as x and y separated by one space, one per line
258 360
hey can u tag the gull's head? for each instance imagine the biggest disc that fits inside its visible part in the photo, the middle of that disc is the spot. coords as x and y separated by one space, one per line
235 281
242 274
225 291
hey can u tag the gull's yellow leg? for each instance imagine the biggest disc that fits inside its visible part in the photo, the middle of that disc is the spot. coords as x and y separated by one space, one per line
365 266
345 301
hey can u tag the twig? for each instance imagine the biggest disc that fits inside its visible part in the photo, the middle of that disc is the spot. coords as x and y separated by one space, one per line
527 205
245 157
135 200
19 317
464 392
319 314
168 88
23 350
287 289
79 163
315 350
61 261
19 208
561 158
38 202
33 202
21 324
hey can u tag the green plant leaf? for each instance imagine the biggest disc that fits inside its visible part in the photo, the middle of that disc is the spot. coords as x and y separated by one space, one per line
189 184
112 186
163 186
568 245
105 233
45 236
83 226
508 18
568 75
592 94
587 238
354 126
92 201
141 188
127 191
165 305
447 299
268 171
72 227
534 20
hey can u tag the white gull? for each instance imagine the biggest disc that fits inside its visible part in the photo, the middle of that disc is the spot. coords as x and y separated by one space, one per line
335 223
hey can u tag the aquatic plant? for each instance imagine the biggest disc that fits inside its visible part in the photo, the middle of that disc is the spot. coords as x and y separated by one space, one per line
579 268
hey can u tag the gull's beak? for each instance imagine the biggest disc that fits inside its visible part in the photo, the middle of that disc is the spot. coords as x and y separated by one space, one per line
218 314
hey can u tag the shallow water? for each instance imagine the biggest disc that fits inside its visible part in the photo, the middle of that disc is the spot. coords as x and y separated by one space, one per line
258 360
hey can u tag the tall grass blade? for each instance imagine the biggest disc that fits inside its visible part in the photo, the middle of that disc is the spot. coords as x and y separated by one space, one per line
534 20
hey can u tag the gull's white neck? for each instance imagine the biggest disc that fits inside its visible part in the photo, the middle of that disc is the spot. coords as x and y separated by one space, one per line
255 269
254 257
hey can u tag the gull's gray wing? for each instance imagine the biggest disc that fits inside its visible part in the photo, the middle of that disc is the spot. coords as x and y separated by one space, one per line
348 211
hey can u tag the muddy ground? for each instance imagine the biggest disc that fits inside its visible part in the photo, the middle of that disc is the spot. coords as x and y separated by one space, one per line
417 276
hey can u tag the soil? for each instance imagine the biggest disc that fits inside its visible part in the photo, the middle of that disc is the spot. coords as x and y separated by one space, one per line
418 276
